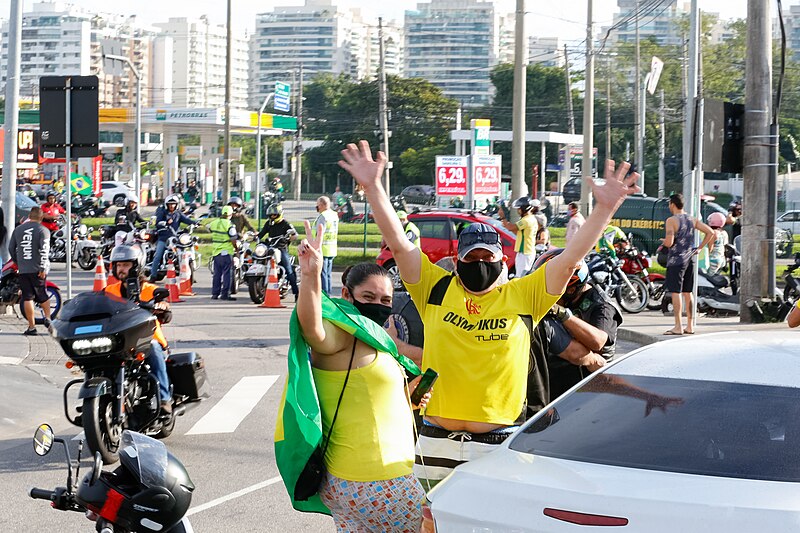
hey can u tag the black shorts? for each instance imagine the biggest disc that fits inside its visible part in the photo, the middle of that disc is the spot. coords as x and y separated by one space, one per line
33 288
680 278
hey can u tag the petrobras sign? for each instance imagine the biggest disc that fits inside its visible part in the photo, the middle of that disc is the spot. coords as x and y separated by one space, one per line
186 115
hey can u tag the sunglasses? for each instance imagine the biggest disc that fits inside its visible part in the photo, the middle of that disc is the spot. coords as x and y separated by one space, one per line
484 237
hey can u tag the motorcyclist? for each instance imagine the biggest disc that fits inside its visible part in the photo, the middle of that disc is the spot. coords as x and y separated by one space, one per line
411 229
51 211
168 218
735 218
127 266
277 226
239 219
611 238
126 219
457 202
526 229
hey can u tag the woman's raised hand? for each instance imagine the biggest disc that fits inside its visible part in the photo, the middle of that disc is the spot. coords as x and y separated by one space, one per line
309 251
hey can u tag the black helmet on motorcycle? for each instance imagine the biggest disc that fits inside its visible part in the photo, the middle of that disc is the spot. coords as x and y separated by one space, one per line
275 213
576 281
127 252
150 489
51 193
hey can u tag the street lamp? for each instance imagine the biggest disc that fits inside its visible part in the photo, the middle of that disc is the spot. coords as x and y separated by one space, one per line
258 160
137 180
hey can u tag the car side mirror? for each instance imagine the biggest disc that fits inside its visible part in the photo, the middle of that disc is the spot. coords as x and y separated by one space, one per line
160 294
43 440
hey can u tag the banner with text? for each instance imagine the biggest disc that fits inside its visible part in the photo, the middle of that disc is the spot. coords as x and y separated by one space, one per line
486 174
451 175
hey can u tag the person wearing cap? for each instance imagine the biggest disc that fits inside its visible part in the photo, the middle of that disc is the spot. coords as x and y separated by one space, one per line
411 229
477 334
526 228
223 238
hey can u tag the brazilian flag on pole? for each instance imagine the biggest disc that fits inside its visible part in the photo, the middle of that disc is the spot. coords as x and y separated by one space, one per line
298 430
80 184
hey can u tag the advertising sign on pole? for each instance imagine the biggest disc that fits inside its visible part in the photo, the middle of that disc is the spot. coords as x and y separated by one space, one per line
481 144
451 175
486 174
282 98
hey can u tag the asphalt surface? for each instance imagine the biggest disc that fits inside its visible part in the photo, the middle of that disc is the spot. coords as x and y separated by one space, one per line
231 461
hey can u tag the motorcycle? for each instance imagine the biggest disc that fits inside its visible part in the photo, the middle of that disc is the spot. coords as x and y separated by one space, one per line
791 290
180 243
256 275
606 274
108 338
635 263
10 293
89 206
150 488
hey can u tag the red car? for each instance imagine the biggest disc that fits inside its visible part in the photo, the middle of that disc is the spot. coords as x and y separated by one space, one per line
439 229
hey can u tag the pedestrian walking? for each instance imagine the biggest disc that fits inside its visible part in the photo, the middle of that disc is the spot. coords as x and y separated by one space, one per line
29 248
680 228
576 220
223 238
328 219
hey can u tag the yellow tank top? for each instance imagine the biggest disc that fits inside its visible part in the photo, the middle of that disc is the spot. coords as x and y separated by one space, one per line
373 437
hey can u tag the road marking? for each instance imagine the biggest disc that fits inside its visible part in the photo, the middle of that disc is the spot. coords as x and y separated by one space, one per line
233 495
229 412
10 360
79 436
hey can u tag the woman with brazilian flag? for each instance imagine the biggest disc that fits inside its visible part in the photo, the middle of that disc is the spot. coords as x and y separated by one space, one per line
346 404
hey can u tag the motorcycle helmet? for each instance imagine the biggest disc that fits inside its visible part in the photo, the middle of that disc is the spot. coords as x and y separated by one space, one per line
236 202
132 203
172 199
275 213
127 252
716 220
150 490
523 203
576 281
49 194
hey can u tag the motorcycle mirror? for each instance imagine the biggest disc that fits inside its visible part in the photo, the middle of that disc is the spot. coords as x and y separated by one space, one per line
630 236
160 294
97 469
43 440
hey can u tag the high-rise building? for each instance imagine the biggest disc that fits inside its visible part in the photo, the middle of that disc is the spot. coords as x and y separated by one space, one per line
198 63
657 19
454 44
547 51
321 36
791 21
369 60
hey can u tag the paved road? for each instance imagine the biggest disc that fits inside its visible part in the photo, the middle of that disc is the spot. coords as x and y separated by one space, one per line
225 442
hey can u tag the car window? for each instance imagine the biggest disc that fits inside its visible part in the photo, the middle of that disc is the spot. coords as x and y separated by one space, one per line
674 425
433 228
106 185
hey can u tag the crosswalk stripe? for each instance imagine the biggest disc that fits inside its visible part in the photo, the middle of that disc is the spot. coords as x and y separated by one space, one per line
229 412
4 360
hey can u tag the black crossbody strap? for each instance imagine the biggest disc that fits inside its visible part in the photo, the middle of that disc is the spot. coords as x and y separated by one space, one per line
341 395
436 297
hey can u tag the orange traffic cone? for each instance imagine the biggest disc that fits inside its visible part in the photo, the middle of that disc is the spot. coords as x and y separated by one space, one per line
100 280
185 278
172 285
272 296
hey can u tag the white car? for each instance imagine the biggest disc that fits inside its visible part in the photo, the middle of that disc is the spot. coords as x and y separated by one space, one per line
790 221
116 192
695 434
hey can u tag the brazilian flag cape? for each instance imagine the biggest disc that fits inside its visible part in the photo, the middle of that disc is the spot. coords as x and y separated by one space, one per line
298 431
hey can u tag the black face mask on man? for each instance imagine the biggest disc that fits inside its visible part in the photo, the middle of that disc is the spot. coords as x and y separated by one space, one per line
477 276
378 313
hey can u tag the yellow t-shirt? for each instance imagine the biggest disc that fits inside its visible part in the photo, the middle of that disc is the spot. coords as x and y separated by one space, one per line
373 438
526 234
479 345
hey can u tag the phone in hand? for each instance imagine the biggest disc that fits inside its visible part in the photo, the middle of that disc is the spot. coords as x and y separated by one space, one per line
424 386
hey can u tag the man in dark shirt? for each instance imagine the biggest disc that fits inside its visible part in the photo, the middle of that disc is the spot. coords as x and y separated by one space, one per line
29 248
128 217
277 226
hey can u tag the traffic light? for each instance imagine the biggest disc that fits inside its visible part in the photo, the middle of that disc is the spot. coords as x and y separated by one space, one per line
723 137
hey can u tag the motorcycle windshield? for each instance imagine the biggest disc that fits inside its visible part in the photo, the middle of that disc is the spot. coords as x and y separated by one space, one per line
145 457
95 304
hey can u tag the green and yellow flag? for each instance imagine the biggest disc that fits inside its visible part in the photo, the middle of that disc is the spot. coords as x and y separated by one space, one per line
298 431
80 184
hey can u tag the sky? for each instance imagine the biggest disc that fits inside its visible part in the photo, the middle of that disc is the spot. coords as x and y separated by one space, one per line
547 18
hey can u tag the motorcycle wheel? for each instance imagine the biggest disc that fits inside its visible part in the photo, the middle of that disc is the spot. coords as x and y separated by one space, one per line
656 295
633 301
256 288
87 261
55 306
101 435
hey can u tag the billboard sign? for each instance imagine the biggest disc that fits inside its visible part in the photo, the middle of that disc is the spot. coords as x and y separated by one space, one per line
451 175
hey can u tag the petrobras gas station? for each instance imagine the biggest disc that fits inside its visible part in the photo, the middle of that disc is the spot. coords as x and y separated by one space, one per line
180 165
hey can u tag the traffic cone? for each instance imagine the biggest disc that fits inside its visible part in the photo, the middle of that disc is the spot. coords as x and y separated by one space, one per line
272 296
172 284
185 278
100 280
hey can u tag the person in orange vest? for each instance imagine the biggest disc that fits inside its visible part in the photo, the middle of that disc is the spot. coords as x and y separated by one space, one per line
126 266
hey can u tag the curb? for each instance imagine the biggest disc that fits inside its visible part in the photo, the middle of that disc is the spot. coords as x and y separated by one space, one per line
638 337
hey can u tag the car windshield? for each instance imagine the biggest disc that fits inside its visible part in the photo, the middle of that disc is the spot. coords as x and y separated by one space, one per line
24 202
674 425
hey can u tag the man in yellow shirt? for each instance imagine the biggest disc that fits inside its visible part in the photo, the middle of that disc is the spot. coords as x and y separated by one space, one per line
477 333
526 227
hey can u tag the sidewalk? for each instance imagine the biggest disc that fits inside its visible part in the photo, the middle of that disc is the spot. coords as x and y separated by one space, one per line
648 327
16 348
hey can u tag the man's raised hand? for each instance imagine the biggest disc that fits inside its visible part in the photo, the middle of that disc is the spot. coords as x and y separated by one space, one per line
616 188
357 160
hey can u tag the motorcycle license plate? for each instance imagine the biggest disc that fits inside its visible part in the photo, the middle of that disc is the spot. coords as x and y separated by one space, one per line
257 270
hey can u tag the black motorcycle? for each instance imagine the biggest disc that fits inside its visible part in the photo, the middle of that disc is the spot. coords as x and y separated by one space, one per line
605 273
256 274
149 491
109 339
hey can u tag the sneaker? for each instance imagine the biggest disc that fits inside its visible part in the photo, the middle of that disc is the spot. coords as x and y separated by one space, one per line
215 297
30 331
46 323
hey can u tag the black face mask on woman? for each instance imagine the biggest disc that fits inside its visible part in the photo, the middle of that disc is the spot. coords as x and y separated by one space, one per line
477 276
378 313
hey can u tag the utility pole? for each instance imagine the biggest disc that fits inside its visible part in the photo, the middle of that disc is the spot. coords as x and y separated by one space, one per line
9 186
637 89
689 105
226 166
661 147
588 115
756 239
518 187
137 128
298 150
570 109
608 106
383 114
